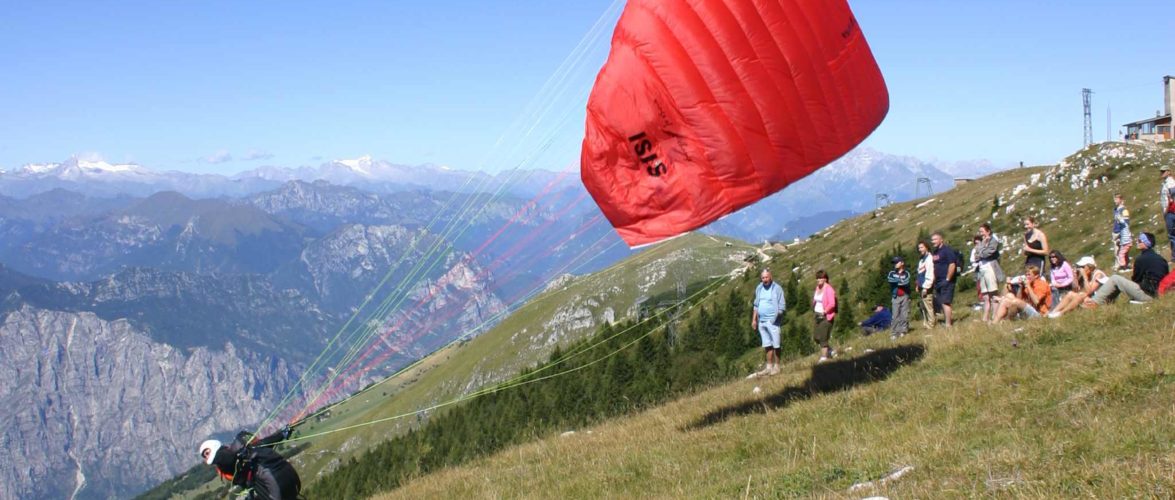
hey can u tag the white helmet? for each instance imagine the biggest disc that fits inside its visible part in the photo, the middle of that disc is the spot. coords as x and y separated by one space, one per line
208 450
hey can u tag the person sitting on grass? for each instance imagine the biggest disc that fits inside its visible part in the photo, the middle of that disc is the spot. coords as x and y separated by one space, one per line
879 321
1032 298
1089 278
1143 286
1061 275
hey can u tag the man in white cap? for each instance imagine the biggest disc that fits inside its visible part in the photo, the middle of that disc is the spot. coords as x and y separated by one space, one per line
1167 204
252 464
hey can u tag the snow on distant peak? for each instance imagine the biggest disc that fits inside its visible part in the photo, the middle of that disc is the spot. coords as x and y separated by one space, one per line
361 164
76 168
101 166
39 168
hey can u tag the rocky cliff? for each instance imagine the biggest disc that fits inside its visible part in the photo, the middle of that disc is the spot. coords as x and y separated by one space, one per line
97 409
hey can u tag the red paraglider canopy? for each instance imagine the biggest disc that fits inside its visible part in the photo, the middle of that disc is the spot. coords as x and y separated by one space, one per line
706 106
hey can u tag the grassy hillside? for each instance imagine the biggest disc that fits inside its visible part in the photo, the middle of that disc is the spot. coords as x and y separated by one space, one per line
1073 202
1081 409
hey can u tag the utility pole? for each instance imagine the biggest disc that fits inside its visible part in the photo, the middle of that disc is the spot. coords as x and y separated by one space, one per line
918 188
1086 95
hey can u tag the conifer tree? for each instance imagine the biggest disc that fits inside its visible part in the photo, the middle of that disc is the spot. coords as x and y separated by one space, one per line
923 235
846 317
797 299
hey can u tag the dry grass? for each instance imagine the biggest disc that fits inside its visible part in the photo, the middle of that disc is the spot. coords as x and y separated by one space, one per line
1082 408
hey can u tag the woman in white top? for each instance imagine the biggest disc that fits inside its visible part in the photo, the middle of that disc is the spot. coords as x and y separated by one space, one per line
926 284
1089 278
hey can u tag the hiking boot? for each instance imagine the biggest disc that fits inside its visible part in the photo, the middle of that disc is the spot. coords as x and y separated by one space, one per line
1055 315
773 371
822 359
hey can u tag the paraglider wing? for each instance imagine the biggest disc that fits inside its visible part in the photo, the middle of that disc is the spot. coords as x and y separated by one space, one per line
706 106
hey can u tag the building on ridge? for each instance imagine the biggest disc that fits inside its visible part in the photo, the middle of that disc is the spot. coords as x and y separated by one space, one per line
1155 129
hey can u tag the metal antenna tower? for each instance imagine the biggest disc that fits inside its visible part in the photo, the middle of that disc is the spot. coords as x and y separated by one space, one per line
1085 99
918 188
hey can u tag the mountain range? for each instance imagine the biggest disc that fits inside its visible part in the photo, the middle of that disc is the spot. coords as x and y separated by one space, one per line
849 185
210 294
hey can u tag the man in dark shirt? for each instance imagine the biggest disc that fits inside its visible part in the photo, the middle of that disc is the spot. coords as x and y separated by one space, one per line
946 265
1149 267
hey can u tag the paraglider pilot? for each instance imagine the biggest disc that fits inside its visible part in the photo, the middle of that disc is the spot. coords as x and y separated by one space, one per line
252 464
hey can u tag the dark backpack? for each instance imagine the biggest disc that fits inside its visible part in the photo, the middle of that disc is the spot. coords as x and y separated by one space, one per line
958 265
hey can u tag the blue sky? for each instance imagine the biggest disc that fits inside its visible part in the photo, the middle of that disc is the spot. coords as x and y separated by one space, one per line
228 86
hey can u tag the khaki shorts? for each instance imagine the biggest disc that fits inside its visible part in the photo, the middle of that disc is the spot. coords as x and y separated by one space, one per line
822 331
987 281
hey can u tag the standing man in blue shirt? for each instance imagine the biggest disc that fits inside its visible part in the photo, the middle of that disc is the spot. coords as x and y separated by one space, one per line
767 317
946 269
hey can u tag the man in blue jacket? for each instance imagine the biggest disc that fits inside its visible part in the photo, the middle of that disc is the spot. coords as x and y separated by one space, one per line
879 321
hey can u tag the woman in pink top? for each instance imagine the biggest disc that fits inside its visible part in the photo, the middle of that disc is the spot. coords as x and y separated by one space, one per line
824 306
1061 275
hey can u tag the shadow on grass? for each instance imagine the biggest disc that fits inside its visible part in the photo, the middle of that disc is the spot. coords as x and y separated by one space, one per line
826 378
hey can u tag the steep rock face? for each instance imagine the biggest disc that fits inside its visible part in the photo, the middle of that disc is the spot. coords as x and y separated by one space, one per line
344 266
98 408
461 298
460 302
191 310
